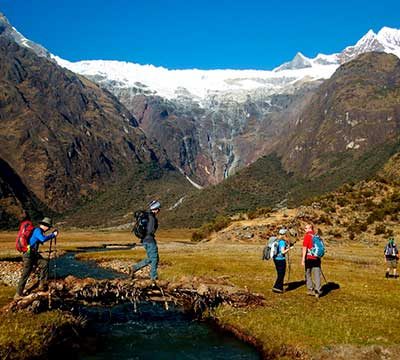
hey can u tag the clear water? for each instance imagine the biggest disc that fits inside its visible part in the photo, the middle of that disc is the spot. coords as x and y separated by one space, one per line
68 265
154 333
149 333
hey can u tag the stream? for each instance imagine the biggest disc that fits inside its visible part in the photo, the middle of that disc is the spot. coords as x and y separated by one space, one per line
149 333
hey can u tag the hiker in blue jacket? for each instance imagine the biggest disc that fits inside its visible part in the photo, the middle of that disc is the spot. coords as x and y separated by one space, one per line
32 258
280 260
149 243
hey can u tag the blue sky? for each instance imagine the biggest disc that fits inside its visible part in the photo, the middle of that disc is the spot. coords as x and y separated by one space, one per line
204 34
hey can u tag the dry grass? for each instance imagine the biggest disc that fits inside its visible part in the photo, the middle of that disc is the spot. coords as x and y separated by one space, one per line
361 311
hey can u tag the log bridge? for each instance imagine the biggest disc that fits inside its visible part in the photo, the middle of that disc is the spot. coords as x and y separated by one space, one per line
193 294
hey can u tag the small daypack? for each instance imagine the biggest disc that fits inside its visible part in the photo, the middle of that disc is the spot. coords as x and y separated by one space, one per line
140 225
391 250
271 249
318 247
24 233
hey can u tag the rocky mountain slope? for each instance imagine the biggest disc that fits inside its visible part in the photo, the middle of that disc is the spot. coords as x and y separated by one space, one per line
347 133
356 109
71 144
63 138
222 120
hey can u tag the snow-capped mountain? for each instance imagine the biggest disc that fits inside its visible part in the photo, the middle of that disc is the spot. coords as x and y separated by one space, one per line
221 120
387 40
198 84
202 84
213 122
9 31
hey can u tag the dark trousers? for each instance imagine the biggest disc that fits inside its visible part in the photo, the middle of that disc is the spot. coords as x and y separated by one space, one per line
30 260
280 266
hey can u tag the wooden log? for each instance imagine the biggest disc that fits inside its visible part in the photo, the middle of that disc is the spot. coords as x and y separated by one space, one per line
193 293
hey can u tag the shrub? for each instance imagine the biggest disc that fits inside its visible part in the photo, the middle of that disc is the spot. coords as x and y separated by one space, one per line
258 212
357 228
380 229
219 223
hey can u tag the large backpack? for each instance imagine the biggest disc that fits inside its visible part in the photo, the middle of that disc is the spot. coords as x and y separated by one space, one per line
391 249
24 233
271 249
318 247
140 225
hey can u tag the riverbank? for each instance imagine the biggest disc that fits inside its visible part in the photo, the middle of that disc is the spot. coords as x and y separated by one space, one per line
356 318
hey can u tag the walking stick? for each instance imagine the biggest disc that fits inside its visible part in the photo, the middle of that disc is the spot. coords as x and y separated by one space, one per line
323 275
49 257
55 258
288 280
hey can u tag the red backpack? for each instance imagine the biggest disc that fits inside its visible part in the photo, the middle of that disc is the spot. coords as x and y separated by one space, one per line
24 233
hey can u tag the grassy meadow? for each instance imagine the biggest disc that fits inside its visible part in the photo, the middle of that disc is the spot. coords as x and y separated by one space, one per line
360 309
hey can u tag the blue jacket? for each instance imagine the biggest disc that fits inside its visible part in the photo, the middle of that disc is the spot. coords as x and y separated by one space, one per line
38 237
281 247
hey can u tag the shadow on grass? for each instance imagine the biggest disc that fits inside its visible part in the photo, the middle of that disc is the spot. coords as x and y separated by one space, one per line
328 287
294 285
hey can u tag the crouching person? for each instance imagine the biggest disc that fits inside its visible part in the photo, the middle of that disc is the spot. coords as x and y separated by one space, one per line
32 258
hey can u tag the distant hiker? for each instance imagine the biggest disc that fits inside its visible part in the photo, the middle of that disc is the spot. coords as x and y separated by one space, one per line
311 263
391 257
280 260
149 242
32 258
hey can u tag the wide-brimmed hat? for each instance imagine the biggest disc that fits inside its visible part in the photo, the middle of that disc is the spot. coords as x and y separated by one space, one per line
46 221
282 231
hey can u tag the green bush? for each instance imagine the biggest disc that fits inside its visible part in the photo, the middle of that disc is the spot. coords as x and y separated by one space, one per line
380 229
258 212
219 223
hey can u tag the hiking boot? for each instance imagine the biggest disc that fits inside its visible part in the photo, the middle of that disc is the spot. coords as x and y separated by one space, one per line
276 290
310 292
317 294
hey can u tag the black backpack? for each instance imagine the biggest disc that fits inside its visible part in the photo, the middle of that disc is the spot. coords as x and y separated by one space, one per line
140 225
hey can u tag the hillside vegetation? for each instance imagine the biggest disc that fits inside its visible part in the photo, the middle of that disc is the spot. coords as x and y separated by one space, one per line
265 183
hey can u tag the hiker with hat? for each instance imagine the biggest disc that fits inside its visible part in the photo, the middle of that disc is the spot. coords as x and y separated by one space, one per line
149 242
391 257
32 258
280 260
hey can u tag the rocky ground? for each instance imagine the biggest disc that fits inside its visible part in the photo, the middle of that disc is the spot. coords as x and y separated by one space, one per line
10 271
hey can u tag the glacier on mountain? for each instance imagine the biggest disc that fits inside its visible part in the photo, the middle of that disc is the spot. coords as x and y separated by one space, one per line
203 84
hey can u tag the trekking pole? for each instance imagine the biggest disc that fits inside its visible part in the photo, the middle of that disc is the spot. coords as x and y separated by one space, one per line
55 258
49 257
288 280
322 273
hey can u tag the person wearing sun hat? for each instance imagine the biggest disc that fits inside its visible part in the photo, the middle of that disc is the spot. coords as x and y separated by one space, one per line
150 243
32 257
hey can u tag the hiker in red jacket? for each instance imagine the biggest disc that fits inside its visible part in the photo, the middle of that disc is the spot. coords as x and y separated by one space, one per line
311 263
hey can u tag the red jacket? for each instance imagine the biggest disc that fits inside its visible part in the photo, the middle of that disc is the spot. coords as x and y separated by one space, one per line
308 243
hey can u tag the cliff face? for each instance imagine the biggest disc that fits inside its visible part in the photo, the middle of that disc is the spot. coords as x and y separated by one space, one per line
62 135
211 142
